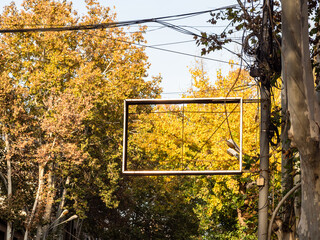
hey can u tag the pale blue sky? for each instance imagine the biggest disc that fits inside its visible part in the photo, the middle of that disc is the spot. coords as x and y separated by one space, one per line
172 67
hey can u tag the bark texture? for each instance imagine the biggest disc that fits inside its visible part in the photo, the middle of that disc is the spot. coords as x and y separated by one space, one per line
287 227
309 226
288 223
304 111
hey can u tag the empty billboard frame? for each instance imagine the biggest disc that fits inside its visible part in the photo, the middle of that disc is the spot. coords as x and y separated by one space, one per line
180 102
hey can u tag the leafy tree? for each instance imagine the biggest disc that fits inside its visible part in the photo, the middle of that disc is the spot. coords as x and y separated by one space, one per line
224 205
61 102
248 18
151 208
230 204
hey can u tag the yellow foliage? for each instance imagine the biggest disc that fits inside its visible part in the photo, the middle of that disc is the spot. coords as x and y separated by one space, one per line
193 136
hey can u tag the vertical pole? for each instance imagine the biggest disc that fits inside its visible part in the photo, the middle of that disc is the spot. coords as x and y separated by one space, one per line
265 52
264 164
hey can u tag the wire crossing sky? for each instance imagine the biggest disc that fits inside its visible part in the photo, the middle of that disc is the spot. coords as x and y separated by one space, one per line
178 23
116 24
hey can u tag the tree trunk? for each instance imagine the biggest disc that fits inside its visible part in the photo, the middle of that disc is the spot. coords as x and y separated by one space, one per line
287 226
303 110
309 226
42 231
9 234
36 201
58 234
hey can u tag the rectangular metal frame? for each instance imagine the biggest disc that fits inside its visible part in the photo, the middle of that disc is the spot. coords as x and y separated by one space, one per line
129 102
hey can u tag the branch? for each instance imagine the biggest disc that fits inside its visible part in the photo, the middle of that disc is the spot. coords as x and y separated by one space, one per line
35 203
278 207
246 14
4 180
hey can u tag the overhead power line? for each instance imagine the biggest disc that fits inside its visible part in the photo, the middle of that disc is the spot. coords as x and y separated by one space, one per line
111 24
187 54
165 50
129 23
171 43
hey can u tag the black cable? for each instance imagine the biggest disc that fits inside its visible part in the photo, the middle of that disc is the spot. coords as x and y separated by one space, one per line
185 31
127 23
177 28
226 118
111 24
59 25
172 43
216 89
167 50
187 54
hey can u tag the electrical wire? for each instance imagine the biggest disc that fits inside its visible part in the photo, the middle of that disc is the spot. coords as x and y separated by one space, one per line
172 43
133 22
113 24
184 31
165 50
191 55
238 88
187 32
178 28
233 86
217 128
157 28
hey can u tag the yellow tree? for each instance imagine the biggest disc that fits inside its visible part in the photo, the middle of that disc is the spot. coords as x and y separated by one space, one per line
233 195
198 131
61 97
193 137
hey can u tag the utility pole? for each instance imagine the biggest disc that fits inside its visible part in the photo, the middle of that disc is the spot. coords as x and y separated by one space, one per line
265 52
264 163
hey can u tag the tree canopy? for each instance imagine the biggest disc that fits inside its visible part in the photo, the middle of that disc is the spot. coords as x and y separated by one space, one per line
61 118
61 112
